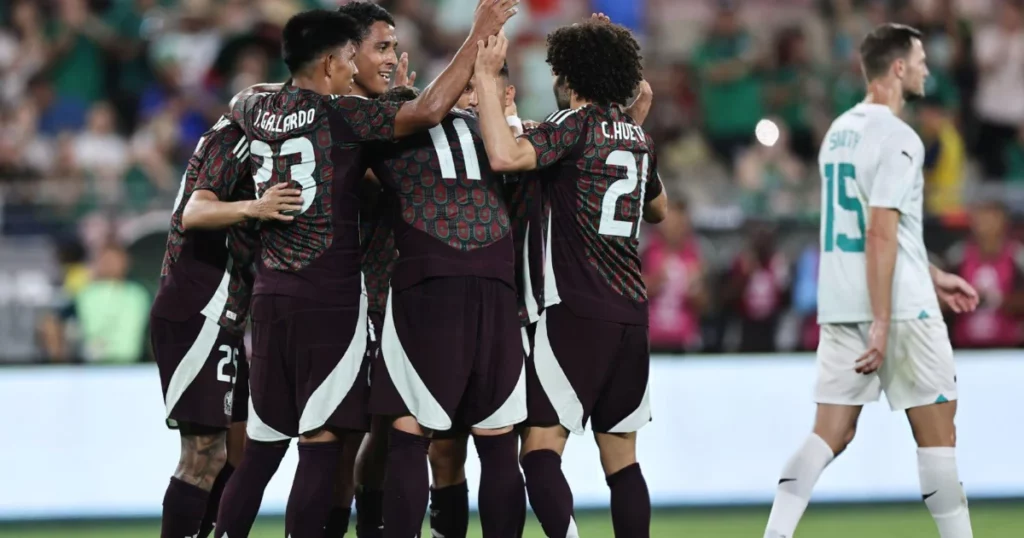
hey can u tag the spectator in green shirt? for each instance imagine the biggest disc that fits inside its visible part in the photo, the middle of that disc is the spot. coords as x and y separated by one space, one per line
76 60
791 89
730 90
112 311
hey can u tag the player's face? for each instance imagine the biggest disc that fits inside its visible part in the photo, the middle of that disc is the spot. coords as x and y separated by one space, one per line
562 95
988 221
342 70
376 60
915 72
467 100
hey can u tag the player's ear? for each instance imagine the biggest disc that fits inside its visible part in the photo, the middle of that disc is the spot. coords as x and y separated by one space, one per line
510 95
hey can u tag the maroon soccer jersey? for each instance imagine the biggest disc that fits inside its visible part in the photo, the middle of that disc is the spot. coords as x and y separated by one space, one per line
211 271
528 207
314 142
379 253
598 169
449 215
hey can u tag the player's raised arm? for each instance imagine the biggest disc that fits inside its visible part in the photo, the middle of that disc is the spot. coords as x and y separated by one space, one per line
506 153
440 96
641 106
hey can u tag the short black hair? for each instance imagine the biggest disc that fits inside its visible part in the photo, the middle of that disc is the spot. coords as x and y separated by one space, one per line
599 61
884 45
310 34
366 15
504 71
400 94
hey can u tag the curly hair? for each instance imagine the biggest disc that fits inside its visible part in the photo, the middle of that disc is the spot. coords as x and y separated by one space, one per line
599 61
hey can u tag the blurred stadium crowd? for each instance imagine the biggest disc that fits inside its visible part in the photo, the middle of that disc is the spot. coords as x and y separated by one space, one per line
103 101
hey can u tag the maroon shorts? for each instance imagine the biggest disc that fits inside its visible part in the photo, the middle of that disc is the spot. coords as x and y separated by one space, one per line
452 356
308 368
585 369
203 371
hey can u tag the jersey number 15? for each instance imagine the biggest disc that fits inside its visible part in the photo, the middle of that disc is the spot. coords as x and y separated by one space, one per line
849 208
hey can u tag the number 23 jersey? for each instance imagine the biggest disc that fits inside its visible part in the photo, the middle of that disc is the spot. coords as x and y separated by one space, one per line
598 169
871 158
313 142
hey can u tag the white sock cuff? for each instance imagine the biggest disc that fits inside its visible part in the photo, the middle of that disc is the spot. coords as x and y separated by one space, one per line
937 451
816 443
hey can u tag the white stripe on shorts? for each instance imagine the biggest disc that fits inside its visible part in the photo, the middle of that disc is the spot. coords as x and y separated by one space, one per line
555 383
639 418
512 412
191 364
414 392
328 396
257 430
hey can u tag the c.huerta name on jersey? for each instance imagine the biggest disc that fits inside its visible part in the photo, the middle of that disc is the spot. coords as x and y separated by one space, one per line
623 131
276 123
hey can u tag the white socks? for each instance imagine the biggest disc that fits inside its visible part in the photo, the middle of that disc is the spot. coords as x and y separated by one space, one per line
942 492
795 485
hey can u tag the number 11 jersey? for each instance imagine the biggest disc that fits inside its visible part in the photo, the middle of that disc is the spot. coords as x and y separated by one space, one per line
598 169
871 158
313 142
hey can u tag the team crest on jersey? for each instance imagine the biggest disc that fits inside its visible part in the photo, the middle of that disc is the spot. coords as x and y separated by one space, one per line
228 402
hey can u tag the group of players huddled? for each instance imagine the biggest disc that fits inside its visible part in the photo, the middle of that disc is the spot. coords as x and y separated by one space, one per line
516 311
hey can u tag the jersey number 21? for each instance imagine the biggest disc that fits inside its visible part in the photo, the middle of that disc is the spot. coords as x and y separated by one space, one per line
842 207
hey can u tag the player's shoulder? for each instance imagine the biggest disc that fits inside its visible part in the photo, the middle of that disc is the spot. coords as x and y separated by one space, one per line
567 116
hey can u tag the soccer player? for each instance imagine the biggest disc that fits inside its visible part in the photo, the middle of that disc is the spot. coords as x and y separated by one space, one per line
877 291
198 320
451 355
308 378
599 172
376 61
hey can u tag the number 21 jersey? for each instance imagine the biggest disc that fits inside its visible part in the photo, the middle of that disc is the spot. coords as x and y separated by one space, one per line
313 142
598 169
871 158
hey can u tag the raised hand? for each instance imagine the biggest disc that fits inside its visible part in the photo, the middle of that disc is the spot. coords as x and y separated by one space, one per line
641 107
275 203
402 75
490 56
491 16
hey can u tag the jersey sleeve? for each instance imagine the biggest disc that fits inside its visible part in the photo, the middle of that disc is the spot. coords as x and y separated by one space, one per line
899 163
225 164
363 120
556 138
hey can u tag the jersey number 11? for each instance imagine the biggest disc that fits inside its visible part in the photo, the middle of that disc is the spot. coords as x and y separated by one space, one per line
836 176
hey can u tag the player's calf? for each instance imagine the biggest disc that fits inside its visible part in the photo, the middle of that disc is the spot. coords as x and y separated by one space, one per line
201 460
935 432
449 493
546 486
371 464
834 429
502 498
405 483
344 488
631 500
311 497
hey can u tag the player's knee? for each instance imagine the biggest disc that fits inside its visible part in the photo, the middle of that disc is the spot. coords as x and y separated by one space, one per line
838 437
202 458
448 461
618 451
551 438
321 435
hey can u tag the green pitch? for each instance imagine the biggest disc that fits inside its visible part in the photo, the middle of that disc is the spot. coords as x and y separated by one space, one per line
991 520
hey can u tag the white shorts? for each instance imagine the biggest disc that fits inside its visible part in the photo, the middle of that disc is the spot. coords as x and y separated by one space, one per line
918 368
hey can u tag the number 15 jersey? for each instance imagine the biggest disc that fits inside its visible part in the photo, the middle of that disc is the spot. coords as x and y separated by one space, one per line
598 169
871 158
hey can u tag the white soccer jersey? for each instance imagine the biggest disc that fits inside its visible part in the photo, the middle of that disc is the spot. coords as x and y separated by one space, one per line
871 158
